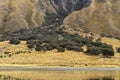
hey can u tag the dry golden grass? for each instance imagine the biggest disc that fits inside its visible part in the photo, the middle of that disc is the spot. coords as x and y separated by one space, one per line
54 58
43 75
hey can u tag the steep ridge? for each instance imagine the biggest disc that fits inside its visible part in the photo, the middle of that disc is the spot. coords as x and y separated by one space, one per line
17 14
102 16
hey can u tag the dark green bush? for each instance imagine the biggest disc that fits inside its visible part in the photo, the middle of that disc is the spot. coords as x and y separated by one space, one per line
38 48
93 51
53 45
107 52
118 50
9 55
60 49
14 41
75 48
7 52
98 44
48 47
30 46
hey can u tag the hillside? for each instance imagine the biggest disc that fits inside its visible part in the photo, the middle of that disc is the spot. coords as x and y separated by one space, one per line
83 33
102 16
56 47
99 16
17 14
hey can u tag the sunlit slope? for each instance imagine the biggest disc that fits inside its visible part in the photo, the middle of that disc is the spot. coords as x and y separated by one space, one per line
102 16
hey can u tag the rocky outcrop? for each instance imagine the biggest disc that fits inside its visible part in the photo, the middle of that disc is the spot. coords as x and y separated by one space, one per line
102 16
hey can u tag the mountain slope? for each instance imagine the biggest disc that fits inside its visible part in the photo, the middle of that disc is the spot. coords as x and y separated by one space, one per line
17 14
98 16
102 16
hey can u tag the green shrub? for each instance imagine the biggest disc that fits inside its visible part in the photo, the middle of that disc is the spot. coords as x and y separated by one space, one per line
107 52
15 41
48 47
75 48
38 48
60 49
30 46
1 56
9 55
53 45
98 44
118 50
93 51
7 52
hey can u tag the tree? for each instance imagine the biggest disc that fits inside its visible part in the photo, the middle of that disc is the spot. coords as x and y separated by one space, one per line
38 48
107 52
15 41
93 51
60 49
48 47
30 46
97 44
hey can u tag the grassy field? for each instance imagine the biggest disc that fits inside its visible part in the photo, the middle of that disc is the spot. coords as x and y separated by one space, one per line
21 55
44 75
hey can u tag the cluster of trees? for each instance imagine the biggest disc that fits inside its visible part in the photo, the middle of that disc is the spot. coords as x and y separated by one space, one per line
97 48
57 41
53 37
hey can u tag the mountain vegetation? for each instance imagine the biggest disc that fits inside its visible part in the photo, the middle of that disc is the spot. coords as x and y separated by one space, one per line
54 37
